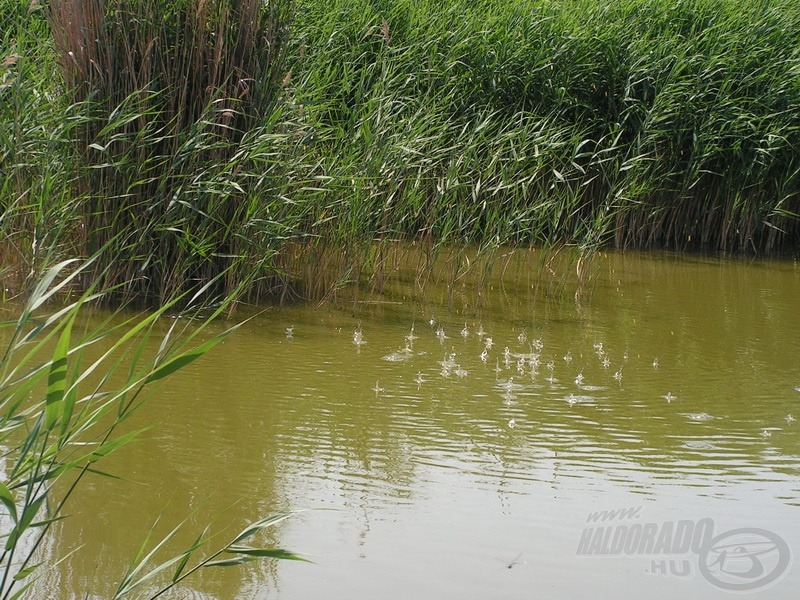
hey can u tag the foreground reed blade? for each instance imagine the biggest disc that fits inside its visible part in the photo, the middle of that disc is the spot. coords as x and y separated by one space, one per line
60 416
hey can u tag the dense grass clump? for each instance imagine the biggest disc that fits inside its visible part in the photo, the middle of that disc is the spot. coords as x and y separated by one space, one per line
637 123
290 144
173 97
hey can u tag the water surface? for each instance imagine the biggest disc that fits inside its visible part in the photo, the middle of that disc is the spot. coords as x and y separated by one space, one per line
459 469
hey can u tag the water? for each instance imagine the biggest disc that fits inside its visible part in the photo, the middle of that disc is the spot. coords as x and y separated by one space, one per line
455 469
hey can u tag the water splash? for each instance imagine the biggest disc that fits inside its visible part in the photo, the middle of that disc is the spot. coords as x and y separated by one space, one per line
703 416
509 386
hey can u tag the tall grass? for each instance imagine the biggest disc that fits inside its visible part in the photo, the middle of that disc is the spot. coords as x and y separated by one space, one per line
172 96
633 123
297 162
37 207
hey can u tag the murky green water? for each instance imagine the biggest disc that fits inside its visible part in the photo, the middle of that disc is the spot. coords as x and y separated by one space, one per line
669 386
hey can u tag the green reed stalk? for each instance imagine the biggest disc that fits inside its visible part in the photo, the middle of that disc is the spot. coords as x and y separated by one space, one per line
60 416
171 93
633 124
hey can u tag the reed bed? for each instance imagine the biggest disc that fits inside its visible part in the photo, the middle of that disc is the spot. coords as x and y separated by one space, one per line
633 123
296 162
174 100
